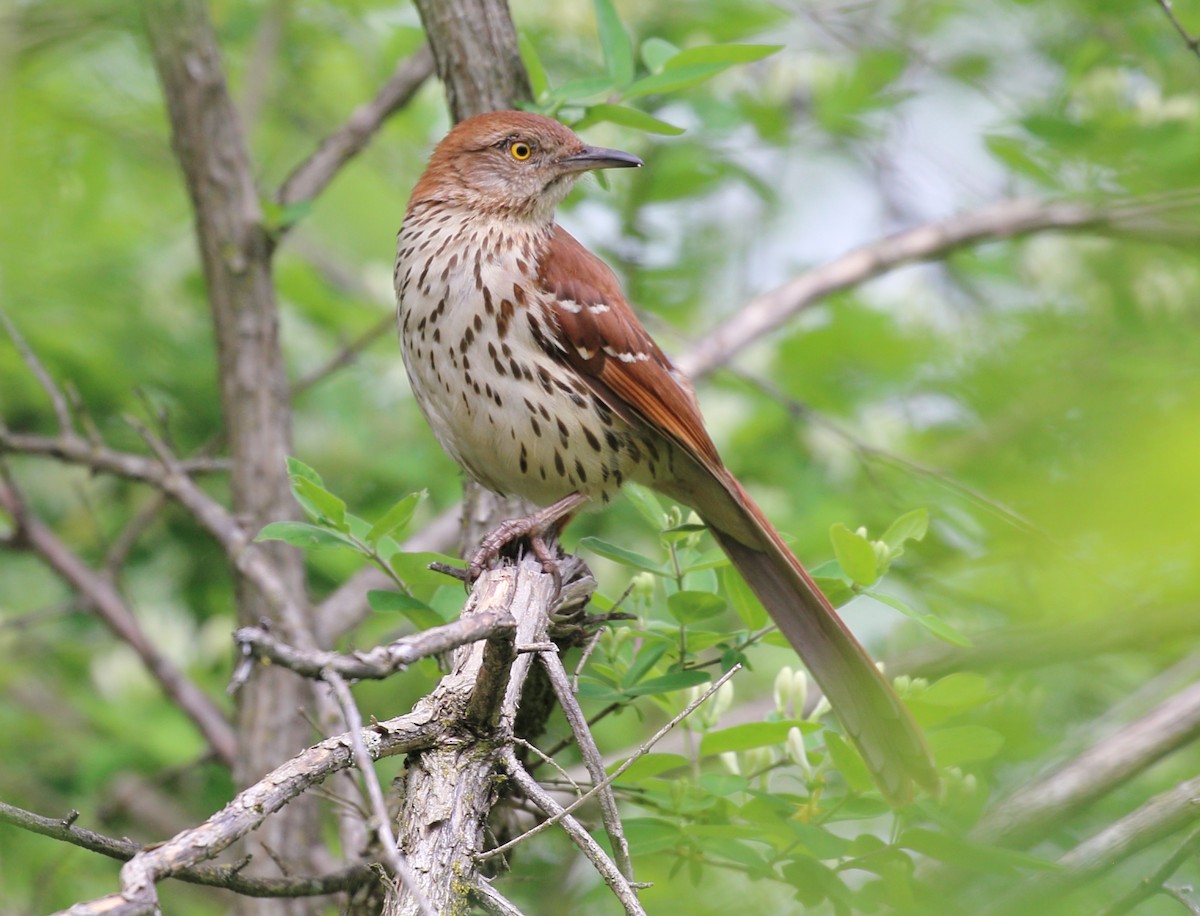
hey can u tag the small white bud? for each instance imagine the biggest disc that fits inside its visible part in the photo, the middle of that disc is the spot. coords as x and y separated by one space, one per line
799 691
861 531
730 759
783 690
797 752
822 708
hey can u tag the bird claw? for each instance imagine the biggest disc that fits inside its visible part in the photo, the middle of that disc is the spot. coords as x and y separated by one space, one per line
532 531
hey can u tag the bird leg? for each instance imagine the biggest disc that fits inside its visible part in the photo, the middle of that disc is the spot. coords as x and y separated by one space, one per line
540 529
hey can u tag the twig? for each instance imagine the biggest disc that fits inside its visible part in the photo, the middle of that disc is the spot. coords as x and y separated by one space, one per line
226 876
1109 763
591 758
257 80
1004 220
62 412
1163 815
1182 896
345 355
99 593
312 175
558 814
252 806
377 663
1156 881
492 900
383 822
641 751
1192 43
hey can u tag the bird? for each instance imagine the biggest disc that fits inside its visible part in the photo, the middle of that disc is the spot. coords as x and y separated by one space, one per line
535 375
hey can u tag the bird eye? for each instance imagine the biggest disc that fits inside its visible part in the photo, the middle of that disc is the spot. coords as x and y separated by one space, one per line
520 150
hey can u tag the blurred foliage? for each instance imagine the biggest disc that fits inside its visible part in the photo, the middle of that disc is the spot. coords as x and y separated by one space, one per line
1039 399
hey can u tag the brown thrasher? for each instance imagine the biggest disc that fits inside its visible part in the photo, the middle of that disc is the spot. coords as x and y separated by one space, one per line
538 379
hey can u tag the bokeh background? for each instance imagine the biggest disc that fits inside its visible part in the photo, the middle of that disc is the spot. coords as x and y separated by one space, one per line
1039 396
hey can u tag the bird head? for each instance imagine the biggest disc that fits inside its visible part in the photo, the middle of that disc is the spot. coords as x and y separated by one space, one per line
512 164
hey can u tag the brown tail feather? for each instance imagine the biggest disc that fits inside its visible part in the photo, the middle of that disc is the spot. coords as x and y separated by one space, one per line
882 728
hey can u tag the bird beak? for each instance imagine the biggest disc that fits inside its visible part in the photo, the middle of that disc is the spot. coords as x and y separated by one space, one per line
596 157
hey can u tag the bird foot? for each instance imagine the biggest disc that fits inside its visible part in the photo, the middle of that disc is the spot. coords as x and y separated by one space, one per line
540 541
539 530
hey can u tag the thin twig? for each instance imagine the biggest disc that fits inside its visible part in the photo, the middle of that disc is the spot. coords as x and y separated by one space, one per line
1192 43
312 175
252 806
346 355
99 594
377 663
226 876
379 812
492 900
591 758
641 751
1156 881
589 847
62 412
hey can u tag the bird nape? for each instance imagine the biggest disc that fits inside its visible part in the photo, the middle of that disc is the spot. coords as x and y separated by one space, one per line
536 376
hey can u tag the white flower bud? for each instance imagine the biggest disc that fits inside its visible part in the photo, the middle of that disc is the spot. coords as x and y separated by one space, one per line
783 691
730 759
797 752
799 691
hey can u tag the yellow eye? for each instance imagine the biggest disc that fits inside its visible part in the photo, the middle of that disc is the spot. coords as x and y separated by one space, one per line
520 150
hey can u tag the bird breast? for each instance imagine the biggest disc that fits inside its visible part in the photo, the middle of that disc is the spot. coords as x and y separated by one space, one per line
477 336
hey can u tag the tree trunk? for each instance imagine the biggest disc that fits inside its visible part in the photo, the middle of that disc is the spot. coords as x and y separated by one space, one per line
235 249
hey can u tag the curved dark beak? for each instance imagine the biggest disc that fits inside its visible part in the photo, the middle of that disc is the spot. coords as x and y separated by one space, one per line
597 157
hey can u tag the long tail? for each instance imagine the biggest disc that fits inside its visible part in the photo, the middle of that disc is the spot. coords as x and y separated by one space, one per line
890 741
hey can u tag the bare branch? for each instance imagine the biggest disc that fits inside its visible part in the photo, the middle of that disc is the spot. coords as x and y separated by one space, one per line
345 355
579 836
591 757
377 663
62 413
1155 883
642 750
492 900
228 877
314 173
1107 764
1157 819
99 593
1193 44
767 312
379 812
252 806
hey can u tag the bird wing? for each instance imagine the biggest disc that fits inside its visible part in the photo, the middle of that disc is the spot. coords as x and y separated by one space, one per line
601 338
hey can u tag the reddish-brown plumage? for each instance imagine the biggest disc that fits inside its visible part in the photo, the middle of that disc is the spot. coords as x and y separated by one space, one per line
535 374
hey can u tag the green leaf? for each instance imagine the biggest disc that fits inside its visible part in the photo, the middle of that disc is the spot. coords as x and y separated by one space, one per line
396 517
303 534
847 761
656 52
964 744
646 659
319 502
934 624
614 40
646 503
837 591
539 84
960 690
743 599
420 613
647 835
722 55
672 80
582 91
627 117
965 853
297 468
855 555
911 526
692 607
676 680
650 765
751 735
621 555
